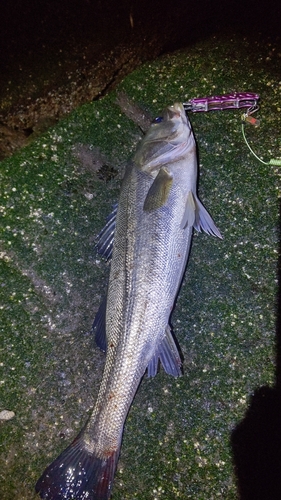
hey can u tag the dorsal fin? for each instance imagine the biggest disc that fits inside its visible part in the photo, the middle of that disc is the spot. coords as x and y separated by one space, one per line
99 326
106 236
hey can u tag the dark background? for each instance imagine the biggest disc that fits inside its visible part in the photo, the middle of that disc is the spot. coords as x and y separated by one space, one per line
50 48
28 25
34 30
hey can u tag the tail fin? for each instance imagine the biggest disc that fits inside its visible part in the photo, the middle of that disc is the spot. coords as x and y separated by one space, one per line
77 474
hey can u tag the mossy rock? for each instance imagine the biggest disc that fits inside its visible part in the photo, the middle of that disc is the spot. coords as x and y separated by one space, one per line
56 194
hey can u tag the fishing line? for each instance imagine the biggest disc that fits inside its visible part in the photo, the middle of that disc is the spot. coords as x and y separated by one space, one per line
247 118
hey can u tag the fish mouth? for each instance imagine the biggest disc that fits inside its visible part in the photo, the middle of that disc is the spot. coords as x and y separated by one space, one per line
176 111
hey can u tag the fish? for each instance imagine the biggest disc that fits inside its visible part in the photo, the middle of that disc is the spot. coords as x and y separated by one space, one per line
147 239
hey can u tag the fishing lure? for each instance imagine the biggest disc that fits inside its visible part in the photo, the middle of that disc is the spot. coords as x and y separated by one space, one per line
248 118
236 100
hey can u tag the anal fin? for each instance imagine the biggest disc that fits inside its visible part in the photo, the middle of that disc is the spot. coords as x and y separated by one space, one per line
167 352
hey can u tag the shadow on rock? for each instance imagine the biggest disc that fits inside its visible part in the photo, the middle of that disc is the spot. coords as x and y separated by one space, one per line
256 441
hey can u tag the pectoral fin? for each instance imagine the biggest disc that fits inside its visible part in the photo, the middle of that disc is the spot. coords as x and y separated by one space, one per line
197 216
158 192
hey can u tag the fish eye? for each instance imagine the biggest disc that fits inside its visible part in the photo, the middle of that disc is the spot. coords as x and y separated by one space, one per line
158 119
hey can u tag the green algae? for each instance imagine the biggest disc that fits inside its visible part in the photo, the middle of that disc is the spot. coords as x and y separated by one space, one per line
177 435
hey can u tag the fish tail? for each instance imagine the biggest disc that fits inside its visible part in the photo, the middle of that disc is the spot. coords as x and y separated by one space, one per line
77 474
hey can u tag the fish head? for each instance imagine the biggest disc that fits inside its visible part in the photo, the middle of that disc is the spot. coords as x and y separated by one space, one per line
168 139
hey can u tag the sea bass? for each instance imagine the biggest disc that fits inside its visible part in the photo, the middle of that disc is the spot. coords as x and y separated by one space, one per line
148 239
